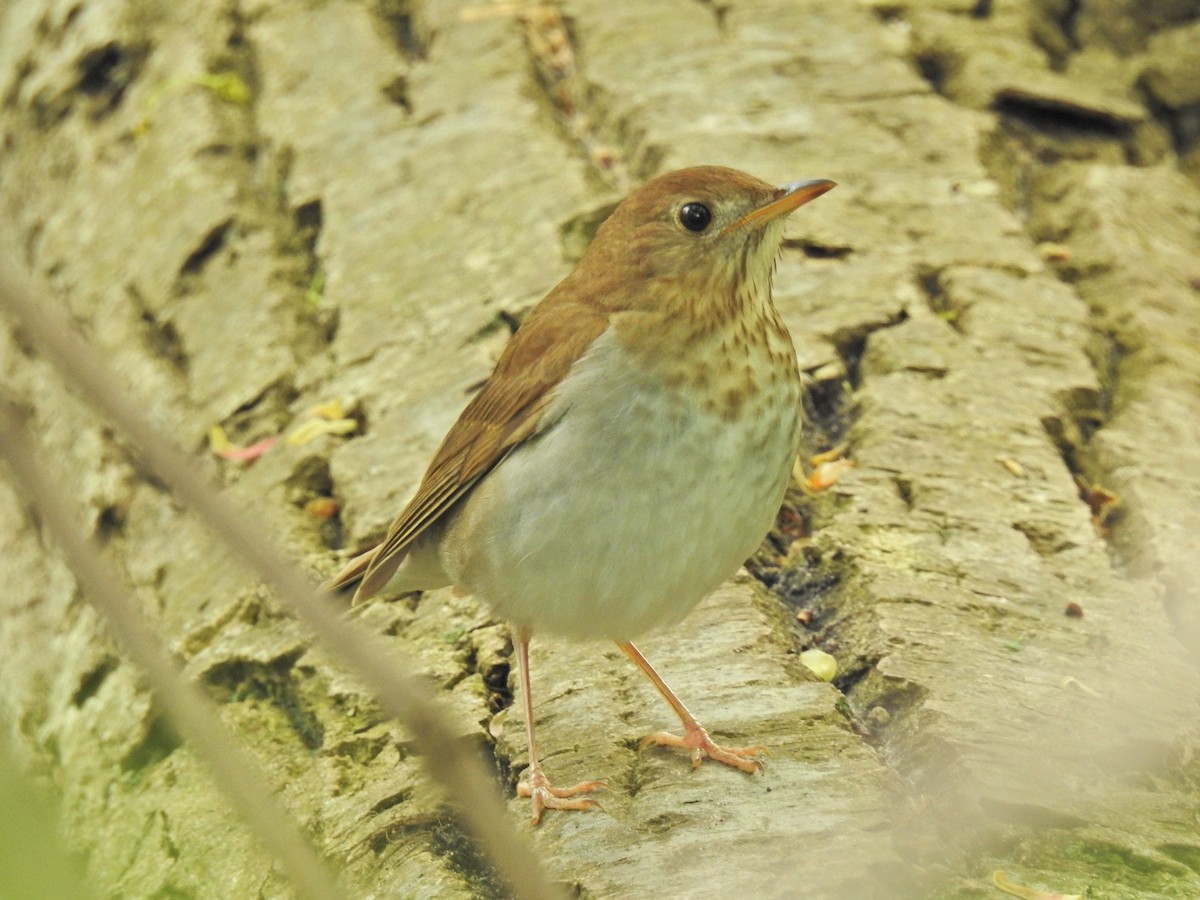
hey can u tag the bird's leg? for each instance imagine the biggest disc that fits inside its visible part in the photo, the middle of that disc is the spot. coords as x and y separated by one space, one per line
695 738
534 784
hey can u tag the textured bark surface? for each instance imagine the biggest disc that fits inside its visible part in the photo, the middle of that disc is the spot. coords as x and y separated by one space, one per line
256 207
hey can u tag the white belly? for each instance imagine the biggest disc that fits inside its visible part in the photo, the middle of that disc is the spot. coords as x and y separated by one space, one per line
628 511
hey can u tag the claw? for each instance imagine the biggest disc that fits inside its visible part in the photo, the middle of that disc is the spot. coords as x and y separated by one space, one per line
545 796
696 740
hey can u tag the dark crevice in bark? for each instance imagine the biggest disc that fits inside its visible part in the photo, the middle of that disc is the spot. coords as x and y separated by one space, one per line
1031 164
274 684
106 72
209 246
576 106
402 19
851 343
1057 118
939 301
261 180
91 683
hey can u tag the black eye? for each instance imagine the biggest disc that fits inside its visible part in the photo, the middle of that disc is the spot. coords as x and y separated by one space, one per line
695 216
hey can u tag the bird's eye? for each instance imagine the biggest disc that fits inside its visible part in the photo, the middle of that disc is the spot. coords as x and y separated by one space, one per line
695 216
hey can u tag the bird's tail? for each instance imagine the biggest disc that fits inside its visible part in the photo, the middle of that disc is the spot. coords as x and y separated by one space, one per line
350 574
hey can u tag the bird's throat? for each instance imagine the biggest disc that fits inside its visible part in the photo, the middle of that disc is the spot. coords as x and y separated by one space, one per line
724 366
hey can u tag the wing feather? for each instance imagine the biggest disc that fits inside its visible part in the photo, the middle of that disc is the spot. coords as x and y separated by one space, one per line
509 410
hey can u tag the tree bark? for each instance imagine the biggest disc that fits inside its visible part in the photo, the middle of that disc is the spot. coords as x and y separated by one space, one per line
254 208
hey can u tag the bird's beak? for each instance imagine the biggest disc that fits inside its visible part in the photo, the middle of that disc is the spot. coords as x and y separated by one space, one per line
787 198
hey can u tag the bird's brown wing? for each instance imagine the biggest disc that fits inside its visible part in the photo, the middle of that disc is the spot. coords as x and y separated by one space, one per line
507 411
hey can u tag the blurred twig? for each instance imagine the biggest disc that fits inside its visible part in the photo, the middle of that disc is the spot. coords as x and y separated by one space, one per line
471 789
234 770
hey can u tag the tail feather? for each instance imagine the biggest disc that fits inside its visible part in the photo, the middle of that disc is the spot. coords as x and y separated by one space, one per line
350 574
377 572
365 575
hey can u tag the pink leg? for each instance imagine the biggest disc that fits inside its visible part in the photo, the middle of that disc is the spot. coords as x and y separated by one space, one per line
695 738
535 785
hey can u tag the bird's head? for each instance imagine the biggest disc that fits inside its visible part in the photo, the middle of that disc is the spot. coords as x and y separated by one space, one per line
704 234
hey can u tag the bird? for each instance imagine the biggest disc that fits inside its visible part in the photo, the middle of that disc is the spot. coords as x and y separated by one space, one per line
629 451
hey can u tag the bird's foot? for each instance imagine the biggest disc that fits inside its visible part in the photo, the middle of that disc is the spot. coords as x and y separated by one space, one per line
545 796
696 739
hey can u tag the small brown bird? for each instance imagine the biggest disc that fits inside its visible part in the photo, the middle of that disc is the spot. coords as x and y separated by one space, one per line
632 446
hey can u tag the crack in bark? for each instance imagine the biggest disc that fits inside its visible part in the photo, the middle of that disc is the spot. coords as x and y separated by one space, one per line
1033 164
261 189
555 58
408 33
